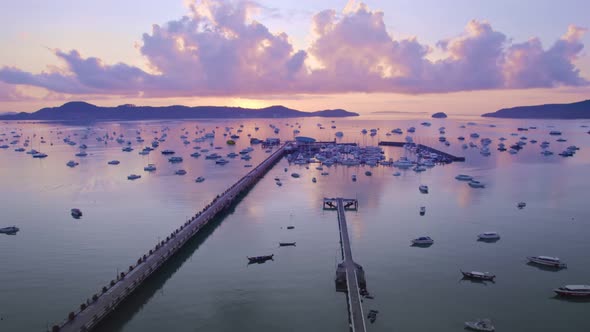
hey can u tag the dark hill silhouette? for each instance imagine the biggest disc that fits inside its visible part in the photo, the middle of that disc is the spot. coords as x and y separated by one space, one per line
579 110
79 110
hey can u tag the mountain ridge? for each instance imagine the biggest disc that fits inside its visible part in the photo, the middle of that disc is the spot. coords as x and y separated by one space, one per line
80 110
576 110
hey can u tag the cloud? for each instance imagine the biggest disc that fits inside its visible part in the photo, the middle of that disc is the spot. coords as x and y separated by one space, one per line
219 49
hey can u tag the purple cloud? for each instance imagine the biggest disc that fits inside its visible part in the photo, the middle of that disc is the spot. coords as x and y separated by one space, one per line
219 50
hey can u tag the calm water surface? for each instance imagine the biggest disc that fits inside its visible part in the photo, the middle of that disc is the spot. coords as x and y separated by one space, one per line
55 262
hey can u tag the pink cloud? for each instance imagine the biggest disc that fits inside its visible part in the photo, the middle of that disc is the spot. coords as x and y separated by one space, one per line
218 50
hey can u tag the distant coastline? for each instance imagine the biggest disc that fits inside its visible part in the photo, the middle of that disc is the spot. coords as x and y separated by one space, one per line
82 111
578 110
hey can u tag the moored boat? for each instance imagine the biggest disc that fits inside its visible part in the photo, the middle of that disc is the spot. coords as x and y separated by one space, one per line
9 230
547 261
260 259
423 189
489 236
423 241
287 244
478 275
573 290
480 325
76 213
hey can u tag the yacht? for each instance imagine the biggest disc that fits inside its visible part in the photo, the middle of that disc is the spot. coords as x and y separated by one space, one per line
40 155
295 175
480 325
150 168
419 169
423 189
422 210
464 177
461 138
411 130
474 135
547 261
9 230
221 161
423 240
403 163
478 275
521 205
546 152
180 172
72 163
339 134
127 149
200 179
19 150
397 174
195 154
114 162
489 236
81 154
397 131
314 180
573 290
175 159
166 152
133 177
354 177
555 132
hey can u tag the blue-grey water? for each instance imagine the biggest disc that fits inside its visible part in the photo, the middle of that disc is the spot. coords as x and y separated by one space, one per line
56 262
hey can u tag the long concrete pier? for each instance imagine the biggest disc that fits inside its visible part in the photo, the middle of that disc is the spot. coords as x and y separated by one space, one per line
447 156
100 305
348 269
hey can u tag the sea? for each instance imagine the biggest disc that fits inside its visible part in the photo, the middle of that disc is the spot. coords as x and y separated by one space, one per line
55 262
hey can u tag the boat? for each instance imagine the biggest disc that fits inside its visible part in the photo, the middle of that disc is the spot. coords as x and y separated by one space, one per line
480 325
521 205
573 290
180 172
476 184
72 163
9 230
397 174
478 275
487 236
199 179
76 213
127 149
295 175
260 259
290 227
547 261
368 173
81 154
423 189
150 168
422 210
287 244
354 177
175 159
167 152
40 155
314 180
464 177
555 132
423 240
114 162
133 177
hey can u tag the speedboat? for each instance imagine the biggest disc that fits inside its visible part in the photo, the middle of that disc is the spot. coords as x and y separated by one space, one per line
478 275
180 172
547 260
114 162
422 241
259 259
488 236
133 177
76 213
9 230
480 325
423 189
422 210
573 290
464 177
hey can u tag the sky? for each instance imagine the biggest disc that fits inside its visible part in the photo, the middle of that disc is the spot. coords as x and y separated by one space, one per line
459 56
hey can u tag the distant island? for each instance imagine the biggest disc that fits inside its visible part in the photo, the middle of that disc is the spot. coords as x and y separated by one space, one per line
82 111
579 110
439 115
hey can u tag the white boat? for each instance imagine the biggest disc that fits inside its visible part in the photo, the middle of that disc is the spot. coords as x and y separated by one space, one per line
573 290
114 162
81 154
9 230
480 325
180 172
403 163
72 163
423 240
476 275
40 155
295 175
423 189
555 132
175 159
127 149
547 260
464 177
133 177
150 168
489 236
200 179
354 177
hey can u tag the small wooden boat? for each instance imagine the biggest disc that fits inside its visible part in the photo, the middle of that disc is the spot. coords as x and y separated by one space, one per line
478 275
286 244
480 325
260 259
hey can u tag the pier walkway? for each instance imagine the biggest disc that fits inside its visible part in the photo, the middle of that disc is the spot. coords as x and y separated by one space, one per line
101 304
447 156
354 274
